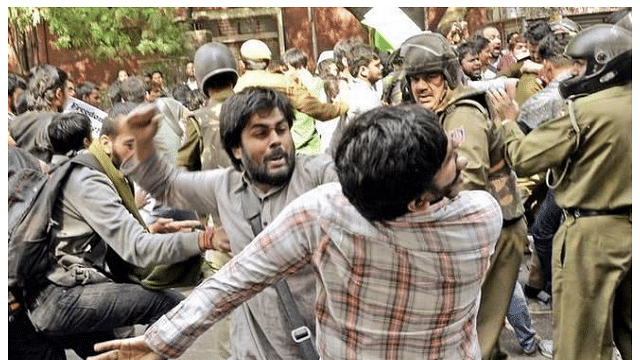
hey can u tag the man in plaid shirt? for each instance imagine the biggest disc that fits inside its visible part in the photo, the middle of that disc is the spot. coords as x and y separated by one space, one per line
399 252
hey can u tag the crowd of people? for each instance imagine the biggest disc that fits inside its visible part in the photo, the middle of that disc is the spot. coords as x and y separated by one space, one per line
379 206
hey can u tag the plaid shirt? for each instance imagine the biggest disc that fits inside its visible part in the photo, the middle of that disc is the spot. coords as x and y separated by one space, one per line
404 290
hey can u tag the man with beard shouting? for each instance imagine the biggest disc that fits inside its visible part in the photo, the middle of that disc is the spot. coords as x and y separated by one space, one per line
266 175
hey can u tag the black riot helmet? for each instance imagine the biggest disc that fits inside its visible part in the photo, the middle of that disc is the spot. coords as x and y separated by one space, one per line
213 59
430 52
606 49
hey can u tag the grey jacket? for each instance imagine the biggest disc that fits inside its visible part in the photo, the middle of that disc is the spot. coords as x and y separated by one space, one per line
93 219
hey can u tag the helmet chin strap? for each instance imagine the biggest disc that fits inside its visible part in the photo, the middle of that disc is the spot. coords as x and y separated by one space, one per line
444 95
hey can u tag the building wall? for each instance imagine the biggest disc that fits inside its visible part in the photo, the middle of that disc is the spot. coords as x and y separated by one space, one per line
331 25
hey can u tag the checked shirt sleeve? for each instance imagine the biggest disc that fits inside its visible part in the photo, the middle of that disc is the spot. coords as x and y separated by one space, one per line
282 249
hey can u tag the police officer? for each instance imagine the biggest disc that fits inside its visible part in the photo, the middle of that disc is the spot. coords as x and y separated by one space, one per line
588 149
216 72
433 80
255 56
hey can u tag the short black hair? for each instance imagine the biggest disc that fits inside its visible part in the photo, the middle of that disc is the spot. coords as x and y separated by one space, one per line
295 58
388 157
551 47
360 55
191 99
85 89
342 49
67 132
465 48
478 43
537 30
239 108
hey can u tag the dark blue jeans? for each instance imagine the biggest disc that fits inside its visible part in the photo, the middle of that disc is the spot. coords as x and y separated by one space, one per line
81 316
544 228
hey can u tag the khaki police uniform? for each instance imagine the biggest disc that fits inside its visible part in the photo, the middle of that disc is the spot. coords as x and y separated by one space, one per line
300 97
592 248
464 113
202 149
528 85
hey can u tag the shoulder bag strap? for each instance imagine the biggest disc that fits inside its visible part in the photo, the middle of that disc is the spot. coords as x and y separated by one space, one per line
300 332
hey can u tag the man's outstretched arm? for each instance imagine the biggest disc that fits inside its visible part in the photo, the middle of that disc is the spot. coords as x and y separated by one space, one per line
281 250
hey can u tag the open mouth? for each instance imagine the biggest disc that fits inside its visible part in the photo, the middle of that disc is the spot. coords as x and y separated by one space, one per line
276 159
277 162
425 98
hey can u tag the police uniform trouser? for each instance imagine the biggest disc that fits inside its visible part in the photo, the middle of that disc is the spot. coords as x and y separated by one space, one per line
498 285
592 287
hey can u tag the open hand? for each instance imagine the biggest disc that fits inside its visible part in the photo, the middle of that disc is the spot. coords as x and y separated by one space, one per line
125 349
503 106
164 225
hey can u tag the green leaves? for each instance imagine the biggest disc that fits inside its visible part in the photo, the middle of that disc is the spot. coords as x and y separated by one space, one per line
113 33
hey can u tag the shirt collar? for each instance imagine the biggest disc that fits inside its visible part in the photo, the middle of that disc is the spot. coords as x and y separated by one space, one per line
245 185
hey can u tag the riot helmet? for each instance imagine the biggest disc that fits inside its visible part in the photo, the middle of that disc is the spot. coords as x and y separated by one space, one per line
430 52
606 49
213 59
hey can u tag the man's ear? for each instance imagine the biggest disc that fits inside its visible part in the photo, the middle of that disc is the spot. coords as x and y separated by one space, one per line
237 153
87 142
106 144
420 204
59 97
60 93
363 72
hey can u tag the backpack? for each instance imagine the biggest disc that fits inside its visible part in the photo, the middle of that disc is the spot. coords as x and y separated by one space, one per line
33 195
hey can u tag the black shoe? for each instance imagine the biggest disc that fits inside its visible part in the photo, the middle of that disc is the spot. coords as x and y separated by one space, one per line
531 292
498 354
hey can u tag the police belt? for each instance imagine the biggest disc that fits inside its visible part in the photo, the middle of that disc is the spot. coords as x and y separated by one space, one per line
578 212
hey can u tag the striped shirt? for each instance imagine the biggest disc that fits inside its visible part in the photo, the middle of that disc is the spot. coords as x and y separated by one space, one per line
403 290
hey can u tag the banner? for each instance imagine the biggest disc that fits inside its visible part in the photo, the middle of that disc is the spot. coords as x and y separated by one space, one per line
95 115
